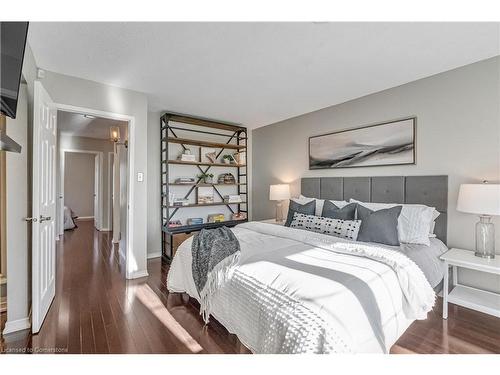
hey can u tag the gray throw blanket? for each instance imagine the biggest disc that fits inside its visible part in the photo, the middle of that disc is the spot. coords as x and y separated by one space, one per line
214 252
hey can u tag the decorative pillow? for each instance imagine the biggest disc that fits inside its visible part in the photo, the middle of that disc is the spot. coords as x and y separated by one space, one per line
306 208
347 229
379 226
333 212
320 202
414 223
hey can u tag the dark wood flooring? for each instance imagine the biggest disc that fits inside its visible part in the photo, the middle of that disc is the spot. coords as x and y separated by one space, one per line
97 311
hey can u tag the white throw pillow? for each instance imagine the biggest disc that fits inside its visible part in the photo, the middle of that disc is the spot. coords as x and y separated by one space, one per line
347 229
320 203
414 222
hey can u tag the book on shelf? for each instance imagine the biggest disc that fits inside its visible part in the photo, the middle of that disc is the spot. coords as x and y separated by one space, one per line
232 198
174 223
194 221
184 180
216 218
178 202
239 216
186 157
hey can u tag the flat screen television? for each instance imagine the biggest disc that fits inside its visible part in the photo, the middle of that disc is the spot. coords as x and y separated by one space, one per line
12 44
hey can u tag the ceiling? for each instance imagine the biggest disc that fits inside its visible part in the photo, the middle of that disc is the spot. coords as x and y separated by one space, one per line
76 124
257 73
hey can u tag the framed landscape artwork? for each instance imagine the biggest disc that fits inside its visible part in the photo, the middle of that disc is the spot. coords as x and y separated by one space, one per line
387 143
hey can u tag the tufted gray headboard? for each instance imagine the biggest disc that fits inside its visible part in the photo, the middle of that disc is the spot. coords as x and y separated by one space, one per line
429 190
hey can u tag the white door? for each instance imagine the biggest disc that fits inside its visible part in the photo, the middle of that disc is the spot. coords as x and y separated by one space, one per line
44 204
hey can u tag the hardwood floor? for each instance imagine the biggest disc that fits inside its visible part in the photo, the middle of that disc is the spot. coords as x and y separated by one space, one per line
97 311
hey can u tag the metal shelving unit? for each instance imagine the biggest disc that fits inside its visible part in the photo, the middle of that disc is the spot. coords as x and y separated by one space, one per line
233 137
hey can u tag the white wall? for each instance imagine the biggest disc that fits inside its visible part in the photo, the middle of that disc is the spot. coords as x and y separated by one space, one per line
458 134
72 91
19 297
18 280
123 156
79 173
154 218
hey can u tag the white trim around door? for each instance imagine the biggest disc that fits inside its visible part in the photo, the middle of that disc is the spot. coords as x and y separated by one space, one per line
130 259
111 161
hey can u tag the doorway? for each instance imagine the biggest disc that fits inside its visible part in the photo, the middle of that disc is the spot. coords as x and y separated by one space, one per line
47 196
89 188
83 194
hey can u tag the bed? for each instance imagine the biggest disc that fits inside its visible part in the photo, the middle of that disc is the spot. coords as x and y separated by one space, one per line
295 291
69 219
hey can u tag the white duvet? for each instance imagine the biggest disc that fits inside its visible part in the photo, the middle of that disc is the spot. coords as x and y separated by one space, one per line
295 291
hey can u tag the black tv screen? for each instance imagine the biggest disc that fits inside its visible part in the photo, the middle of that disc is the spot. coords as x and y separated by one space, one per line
12 43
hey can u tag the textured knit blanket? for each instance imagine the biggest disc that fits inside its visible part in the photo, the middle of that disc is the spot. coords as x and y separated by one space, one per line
215 252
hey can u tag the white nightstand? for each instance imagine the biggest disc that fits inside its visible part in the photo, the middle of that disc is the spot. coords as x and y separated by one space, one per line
473 298
273 221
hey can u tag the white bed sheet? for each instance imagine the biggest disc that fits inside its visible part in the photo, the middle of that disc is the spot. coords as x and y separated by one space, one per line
283 288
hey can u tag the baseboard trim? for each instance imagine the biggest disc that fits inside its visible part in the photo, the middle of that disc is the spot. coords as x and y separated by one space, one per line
156 254
16 325
84 218
137 274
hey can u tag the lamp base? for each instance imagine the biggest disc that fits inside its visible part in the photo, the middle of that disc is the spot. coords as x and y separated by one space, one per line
486 256
279 212
485 238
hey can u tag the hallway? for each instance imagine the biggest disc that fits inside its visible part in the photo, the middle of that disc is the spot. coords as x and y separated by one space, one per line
96 310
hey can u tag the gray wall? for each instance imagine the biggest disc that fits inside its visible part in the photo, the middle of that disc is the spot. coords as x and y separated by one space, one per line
79 183
458 134
68 142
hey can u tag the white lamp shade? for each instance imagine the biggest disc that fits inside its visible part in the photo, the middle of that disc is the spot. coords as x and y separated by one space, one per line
279 192
481 199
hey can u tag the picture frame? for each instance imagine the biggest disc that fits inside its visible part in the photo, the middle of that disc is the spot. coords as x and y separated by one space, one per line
386 143
205 195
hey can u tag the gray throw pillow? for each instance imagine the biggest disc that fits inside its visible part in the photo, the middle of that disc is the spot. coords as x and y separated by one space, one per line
307 209
330 210
379 226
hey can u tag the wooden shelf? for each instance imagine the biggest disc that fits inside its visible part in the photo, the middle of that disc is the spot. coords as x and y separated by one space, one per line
220 136
195 142
180 162
204 185
203 122
190 228
204 205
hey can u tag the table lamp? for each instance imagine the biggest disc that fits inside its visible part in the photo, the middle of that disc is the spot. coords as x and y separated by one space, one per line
279 193
483 200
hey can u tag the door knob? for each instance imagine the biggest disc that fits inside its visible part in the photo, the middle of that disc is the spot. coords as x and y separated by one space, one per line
30 219
44 218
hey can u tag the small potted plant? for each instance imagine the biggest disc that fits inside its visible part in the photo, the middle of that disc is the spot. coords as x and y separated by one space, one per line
228 159
206 178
